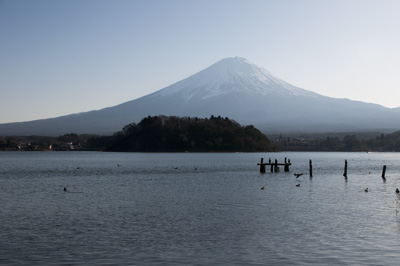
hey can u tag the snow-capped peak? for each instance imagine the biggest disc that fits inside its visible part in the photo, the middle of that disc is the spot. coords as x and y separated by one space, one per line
235 74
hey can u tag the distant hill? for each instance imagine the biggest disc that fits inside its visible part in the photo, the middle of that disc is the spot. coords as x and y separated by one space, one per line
235 88
338 142
174 134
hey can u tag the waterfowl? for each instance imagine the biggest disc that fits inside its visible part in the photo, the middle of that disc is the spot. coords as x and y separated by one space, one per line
297 185
397 190
366 190
65 189
262 187
297 175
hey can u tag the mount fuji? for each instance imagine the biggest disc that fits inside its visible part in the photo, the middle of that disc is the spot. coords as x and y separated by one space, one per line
234 88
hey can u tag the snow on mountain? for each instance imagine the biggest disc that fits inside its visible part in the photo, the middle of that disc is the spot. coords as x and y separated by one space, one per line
231 75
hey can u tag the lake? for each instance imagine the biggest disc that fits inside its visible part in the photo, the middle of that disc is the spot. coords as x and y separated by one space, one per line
197 209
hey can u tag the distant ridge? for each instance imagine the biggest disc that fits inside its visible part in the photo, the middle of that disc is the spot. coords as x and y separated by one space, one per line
234 88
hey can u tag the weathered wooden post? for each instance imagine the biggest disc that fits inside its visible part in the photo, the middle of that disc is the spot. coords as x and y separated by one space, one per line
288 165
276 166
262 166
310 163
285 165
383 171
272 165
345 169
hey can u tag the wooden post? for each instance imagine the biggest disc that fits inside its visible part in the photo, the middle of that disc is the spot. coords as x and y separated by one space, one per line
262 166
383 171
272 166
286 166
276 166
345 169
310 163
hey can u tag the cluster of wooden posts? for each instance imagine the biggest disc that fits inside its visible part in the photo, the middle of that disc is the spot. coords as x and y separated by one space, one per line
275 167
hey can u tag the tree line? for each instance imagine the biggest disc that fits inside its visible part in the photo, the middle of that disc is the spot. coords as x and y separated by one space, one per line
69 141
179 134
383 142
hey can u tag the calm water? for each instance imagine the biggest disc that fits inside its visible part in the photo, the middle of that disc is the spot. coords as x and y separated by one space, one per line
197 209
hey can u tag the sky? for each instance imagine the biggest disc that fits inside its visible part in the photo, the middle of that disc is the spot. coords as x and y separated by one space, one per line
62 57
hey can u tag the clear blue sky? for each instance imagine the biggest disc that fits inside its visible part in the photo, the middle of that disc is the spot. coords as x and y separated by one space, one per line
62 57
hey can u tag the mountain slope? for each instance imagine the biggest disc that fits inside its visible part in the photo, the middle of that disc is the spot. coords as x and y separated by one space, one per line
234 88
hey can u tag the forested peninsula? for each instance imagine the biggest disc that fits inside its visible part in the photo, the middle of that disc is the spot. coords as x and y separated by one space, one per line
184 134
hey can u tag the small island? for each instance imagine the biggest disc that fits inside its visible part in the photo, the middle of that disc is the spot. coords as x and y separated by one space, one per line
184 134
